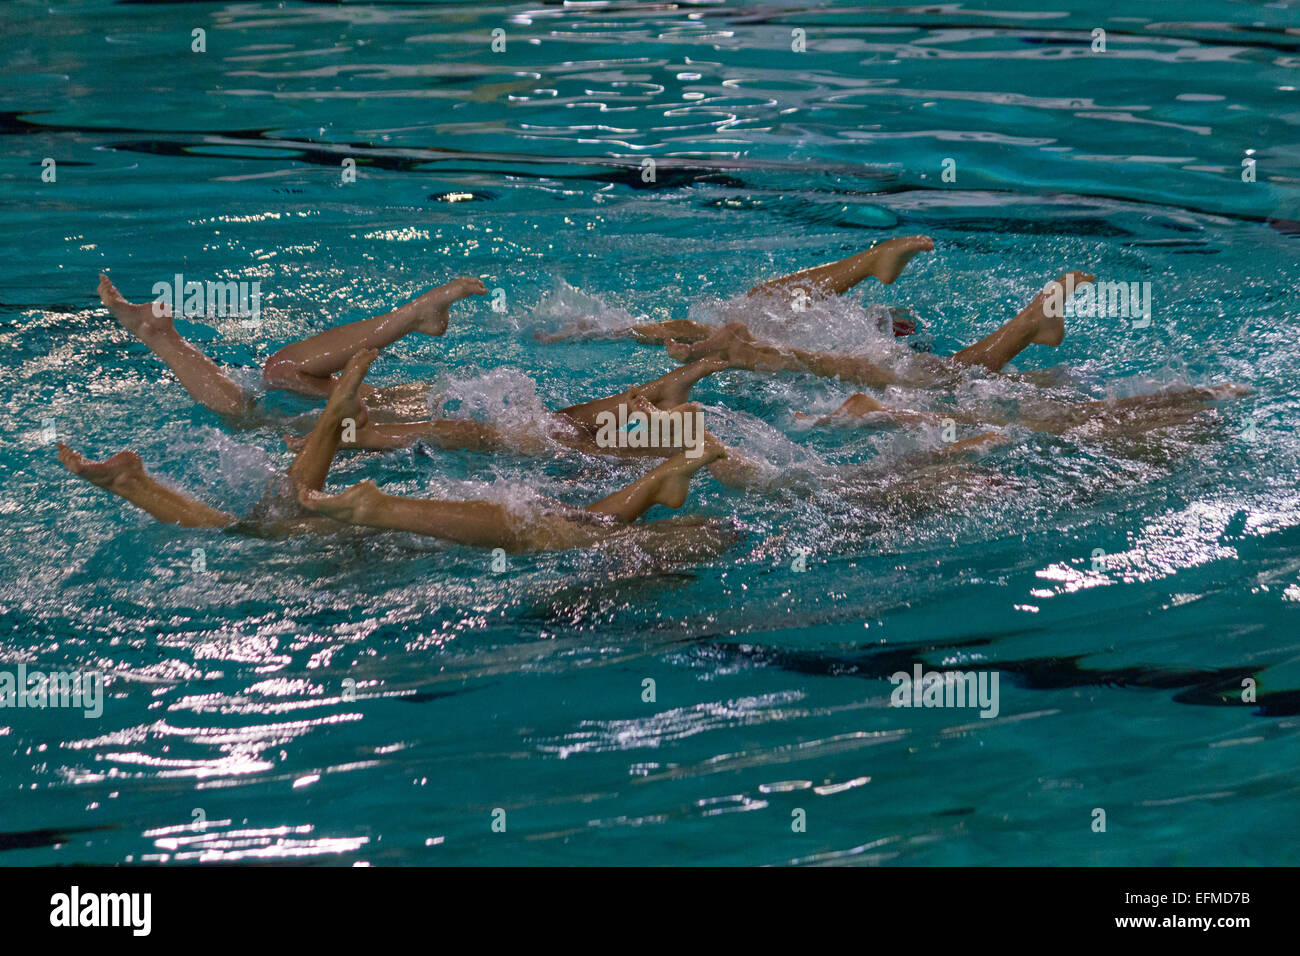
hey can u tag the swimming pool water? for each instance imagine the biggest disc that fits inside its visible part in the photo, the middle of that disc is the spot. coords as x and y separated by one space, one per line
378 698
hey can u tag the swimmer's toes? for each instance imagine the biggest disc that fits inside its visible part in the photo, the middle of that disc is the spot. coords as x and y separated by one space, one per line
311 499
435 306
103 473
140 320
108 293
893 256
349 505
72 460
860 404
470 285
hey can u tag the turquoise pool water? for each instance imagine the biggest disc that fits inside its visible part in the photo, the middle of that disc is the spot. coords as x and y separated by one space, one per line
378 699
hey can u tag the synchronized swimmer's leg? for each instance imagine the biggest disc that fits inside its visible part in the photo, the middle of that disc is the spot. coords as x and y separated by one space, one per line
312 464
657 333
667 391
1033 325
307 366
310 367
665 485
469 435
449 433
886 261
123 474
152 324
489 524
674 389
736 345
479 523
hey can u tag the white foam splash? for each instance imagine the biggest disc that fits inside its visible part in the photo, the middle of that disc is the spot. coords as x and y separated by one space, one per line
834 324
504 398
569 312
236 474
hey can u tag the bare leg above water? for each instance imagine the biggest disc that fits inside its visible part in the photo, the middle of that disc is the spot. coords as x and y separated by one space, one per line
307 367
1032 325
123 474
683 330
858 407
666 485
479 523
667 391
312 464
674 389
737 345
152 324
488 524
886 261
468 435
449 433
295 366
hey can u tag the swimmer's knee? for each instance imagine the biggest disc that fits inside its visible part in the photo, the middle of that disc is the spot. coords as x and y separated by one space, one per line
286 374
280 373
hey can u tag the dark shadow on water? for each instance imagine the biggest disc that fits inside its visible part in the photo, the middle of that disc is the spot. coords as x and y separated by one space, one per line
1206 687
33 839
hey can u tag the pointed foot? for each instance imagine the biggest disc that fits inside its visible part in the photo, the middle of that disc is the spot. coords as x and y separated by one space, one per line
1050 330
893 255
142 321
434 307
352 506
123 466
